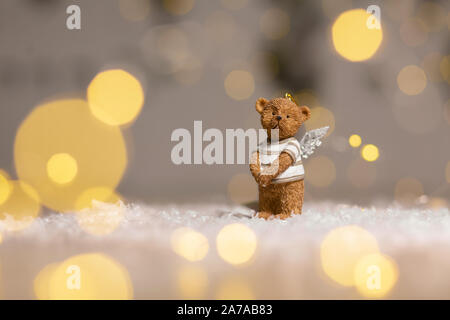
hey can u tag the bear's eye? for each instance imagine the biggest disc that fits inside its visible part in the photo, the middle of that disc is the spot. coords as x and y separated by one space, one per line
273 113
287 116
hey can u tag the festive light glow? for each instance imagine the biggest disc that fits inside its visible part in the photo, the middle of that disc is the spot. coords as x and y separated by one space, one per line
408 190
342 248
239 84
92 196
370 152
275 23
189 244
242 189
178 7
86 277
236 243
5 187
42 280
21 207
115 97
321 171
235 288
375 275
62 168
352 39
321 117
192 282
99 151
412 80
134 10
354 140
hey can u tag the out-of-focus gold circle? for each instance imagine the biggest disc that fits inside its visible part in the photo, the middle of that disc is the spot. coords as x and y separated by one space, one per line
239 84
62 168
236 243
21 207
375 275
352 38
192 282
115 97
42 281
411 80
90 277
320 171
67 126
355 140
189 244
5 187
341 250
235 288
370 152
321 117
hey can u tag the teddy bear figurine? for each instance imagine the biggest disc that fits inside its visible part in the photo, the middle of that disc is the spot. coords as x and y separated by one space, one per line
277 163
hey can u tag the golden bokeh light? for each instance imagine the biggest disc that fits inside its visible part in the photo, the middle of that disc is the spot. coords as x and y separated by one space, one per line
447 172
411 80
189 244
437 203
115 97
235 288
375 275
134 10
354 140
42 281
413 33
321 171
361 174
342 248
242 189
234 4
275 23
236 243
67 126
178 7
101 218
239 84
321 117
370 152
192 282
89 277
62 168
352 38
90 197
408 190
20 208
5 187
432 15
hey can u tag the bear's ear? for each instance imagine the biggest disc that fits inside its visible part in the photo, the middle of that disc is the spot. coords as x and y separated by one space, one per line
261 103
305 112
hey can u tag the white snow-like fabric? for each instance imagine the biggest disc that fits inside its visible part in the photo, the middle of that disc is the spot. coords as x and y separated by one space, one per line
286 264
270 151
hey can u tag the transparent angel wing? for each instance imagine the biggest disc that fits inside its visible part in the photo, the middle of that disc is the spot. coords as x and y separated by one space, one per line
311 140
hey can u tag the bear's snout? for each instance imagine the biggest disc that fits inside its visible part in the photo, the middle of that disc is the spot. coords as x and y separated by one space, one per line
278 118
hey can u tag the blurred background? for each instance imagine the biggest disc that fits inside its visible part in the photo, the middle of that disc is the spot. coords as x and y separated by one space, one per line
87 114
383 91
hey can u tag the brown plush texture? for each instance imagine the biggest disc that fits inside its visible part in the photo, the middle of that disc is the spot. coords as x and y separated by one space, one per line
283 199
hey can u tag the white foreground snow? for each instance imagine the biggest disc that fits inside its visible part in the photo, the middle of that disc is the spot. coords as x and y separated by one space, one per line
286 264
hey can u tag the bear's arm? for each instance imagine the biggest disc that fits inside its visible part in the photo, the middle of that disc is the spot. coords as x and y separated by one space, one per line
284 162
254 165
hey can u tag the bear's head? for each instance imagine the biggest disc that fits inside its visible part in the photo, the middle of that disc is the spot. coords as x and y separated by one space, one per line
282 114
